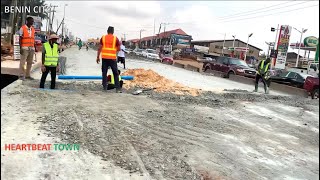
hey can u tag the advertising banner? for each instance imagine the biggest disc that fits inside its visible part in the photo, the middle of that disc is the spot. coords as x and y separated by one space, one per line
283 46
16 47
180 40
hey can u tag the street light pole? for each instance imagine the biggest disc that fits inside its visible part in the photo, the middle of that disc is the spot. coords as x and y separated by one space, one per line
234 39
64 14
303 31
224 41
140 38
245 54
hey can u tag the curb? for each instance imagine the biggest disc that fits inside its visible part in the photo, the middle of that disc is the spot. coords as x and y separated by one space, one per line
192 68
178 65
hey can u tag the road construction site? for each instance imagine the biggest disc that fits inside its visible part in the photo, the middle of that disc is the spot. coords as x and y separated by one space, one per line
192 126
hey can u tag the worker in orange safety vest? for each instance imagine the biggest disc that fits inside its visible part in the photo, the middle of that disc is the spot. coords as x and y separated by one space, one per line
109 46
27 48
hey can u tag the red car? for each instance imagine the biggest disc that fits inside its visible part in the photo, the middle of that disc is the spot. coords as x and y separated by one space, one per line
167 58
38 44
228 66
311 85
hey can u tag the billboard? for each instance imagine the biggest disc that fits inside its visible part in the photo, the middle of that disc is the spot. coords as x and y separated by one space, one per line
283 46
180 40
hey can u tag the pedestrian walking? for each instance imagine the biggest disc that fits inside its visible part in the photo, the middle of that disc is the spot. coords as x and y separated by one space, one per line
27 48
109 45
121 55
50 61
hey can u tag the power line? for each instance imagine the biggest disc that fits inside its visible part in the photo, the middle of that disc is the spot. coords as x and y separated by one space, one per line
270 14
268 10
222 17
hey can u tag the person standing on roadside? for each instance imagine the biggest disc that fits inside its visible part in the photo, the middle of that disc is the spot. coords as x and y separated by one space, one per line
50 61
27 48
121 55
109 46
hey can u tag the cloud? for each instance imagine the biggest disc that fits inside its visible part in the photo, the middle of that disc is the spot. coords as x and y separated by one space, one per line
202 20
131 9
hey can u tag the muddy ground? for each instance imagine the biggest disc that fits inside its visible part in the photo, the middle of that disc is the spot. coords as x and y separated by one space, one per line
235 135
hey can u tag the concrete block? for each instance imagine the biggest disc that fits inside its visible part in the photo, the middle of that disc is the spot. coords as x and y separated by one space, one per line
166 62
214 73
242 79
288 89
192 68
178 65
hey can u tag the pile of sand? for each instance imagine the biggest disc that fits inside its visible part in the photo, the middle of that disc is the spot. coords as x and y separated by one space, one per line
150 79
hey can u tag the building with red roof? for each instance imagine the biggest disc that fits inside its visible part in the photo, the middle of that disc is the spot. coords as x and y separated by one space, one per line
176 38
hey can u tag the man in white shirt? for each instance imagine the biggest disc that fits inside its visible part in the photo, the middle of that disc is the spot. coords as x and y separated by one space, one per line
121 55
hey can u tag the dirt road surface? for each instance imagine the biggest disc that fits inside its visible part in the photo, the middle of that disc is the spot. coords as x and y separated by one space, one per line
232 135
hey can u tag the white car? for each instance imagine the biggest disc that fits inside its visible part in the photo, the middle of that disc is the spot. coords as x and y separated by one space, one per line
151 54
138 52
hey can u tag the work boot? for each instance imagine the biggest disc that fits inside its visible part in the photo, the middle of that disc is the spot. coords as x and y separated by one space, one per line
22 78
118 91
256 88
266 90
30 78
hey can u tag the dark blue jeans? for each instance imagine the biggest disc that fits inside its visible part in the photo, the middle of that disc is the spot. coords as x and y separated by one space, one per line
106 63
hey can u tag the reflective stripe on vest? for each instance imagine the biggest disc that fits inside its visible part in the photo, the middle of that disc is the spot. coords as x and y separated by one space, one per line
52 55
112 79
262 68
109 50
27 40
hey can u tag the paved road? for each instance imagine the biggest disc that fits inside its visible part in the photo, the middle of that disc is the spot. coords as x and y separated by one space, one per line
163 136
83 63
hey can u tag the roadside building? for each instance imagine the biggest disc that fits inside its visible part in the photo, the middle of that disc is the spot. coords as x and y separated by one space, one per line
215 48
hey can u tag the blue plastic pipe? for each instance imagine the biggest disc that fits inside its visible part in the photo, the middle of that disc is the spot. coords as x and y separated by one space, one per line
90 77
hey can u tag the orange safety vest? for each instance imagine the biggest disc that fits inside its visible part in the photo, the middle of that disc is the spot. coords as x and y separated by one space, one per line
109 49
27 40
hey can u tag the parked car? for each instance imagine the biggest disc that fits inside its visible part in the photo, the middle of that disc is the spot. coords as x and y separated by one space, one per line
167 58
128 51
290 78
311 85
228 66
138 52
150 53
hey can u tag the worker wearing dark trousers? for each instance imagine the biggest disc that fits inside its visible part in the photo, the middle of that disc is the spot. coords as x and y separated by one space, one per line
262 73
109 46
50 59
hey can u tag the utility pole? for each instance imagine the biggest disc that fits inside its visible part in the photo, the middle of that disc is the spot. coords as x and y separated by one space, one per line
53 11
224 41
234 40
64 14
301 32
124 36
140 38
245 54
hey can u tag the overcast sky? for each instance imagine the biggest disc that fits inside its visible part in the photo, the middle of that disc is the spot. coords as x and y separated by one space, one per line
204 20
